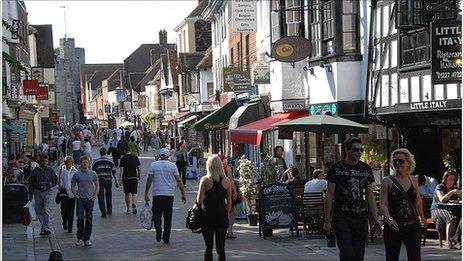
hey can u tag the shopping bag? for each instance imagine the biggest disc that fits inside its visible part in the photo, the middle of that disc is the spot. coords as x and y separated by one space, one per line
31 209
146 217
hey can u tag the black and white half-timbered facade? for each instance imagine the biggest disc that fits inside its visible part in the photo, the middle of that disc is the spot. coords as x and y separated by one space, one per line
414 76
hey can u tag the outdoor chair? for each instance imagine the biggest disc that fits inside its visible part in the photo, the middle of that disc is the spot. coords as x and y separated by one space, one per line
432 228
297 194
313 213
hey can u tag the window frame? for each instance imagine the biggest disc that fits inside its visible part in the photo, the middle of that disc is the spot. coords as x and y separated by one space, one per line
414 49
278 19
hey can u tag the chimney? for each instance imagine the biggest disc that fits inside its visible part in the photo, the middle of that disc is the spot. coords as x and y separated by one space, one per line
163 38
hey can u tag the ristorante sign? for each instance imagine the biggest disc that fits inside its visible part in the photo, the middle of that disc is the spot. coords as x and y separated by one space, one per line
446 52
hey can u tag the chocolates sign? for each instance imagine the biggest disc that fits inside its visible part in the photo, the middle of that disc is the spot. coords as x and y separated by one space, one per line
446 52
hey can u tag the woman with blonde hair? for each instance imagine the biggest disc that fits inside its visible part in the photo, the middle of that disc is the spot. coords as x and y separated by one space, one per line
401 204
215 194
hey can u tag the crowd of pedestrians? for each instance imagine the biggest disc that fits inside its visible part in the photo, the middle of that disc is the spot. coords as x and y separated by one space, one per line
348 185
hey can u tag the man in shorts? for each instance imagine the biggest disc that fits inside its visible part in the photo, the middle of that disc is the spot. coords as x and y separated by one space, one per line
129 176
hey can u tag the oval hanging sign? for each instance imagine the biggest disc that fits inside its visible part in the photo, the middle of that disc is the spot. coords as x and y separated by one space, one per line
291 49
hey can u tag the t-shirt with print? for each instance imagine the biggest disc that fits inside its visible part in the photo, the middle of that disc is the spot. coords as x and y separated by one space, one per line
351 182
129 163
164 173
85 180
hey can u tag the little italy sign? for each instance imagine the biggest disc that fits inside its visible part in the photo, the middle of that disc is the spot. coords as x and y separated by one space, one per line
428 105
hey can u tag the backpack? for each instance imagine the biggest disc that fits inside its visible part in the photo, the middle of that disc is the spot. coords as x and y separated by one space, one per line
195 218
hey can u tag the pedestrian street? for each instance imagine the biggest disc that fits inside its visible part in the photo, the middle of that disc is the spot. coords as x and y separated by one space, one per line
121 236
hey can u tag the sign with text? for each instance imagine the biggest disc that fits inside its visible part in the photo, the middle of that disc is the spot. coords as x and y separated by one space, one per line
291 49
277 207
244 16
323 107
236 80
429 105
19 137
30 87
261 72
294 105
37 74
42 92
446 52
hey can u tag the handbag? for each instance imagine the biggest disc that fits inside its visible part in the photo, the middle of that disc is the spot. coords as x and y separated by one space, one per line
239 197
61 193
195 218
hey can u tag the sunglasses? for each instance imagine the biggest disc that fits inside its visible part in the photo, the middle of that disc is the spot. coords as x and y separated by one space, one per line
398 161
357 149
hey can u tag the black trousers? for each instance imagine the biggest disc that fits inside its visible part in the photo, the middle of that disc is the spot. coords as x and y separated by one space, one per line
105 197
410 235
351 234
182 168
219 231
115 157
162 206
67 212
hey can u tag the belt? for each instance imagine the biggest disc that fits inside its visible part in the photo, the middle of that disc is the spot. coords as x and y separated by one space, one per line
401 224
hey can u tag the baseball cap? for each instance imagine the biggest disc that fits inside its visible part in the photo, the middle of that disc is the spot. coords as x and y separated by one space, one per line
164 152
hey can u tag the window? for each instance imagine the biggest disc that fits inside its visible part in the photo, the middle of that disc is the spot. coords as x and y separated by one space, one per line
415 48
247 52
293 17
350 26
210 88
328 25
275 20
408 13
232 56
315 28
194 82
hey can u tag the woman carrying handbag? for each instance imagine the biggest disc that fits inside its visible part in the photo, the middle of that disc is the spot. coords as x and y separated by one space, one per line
215 193
401 204
67 199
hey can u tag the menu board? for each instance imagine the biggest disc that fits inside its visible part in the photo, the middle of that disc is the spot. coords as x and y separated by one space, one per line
446 52
276 206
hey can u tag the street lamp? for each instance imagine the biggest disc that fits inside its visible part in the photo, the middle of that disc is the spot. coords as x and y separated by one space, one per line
121 97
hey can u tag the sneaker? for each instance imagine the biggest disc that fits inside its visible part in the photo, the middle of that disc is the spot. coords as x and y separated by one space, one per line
166 241
80 243
128 211
158 236
87 243
134 209
45 232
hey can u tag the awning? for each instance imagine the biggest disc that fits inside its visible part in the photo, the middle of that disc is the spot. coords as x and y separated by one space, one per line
249 113
323 123
191 118
182 114
166 120
9 127
252 133
217 120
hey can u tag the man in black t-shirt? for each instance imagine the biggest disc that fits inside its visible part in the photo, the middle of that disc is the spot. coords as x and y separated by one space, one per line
349 200
129 176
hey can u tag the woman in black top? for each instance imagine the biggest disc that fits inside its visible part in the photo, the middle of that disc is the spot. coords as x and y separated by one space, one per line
215 193
402 214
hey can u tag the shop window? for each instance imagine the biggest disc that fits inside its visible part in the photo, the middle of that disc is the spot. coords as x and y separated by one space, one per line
415 48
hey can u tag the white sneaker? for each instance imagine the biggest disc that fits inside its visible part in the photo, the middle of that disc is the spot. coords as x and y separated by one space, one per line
80 243
87 243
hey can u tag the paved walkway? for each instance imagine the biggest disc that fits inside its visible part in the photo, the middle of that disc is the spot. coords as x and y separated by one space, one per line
121 237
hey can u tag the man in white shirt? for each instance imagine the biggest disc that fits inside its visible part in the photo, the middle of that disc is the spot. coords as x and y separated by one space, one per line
317 184
427 185
162 174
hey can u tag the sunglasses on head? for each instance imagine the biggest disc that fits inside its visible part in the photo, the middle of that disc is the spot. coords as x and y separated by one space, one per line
398 161
357 149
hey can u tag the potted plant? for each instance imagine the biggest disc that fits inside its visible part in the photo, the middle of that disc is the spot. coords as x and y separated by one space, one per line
250 189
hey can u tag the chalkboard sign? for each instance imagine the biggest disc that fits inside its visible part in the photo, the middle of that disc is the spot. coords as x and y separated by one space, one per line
276 206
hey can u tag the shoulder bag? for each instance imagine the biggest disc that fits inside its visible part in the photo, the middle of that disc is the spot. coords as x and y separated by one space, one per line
195 218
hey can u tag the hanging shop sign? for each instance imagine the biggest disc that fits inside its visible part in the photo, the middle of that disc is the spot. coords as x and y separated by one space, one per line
37 73
107 108
236 80
261 72
291 49
446 52
42 93
294 105
323 107
54 116
19 136
120 95
244 16
30 87
142 101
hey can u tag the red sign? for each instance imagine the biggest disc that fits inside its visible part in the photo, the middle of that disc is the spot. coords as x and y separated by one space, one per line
42 93
30 87
54 116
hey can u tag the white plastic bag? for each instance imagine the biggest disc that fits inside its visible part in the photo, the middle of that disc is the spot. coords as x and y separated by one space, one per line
146 217
31 206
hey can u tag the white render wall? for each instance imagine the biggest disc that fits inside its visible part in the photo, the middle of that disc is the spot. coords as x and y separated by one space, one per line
206 76
220 50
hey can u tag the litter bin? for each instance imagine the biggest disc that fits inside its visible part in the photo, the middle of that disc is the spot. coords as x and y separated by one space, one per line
15 196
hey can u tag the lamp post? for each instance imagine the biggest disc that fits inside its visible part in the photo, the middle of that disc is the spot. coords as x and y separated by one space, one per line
121 97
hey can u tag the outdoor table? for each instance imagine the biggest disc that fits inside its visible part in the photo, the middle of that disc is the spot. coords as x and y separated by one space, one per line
454 207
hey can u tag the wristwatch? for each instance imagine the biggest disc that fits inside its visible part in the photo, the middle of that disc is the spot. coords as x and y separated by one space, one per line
390 219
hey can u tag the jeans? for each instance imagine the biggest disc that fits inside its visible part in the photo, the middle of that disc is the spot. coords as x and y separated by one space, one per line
182 168
105 197
162 205
351 233
67 212
84 213
42 207
115 158
410 235
77 156
219 230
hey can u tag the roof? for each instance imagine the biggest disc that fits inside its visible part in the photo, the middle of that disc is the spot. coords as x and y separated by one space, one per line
44 42
188 61
173 66
97 77
149 75
86 69
196 13
207 61
134 79
114 80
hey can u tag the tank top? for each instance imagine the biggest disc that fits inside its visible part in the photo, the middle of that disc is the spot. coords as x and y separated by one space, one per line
399 208
216 211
